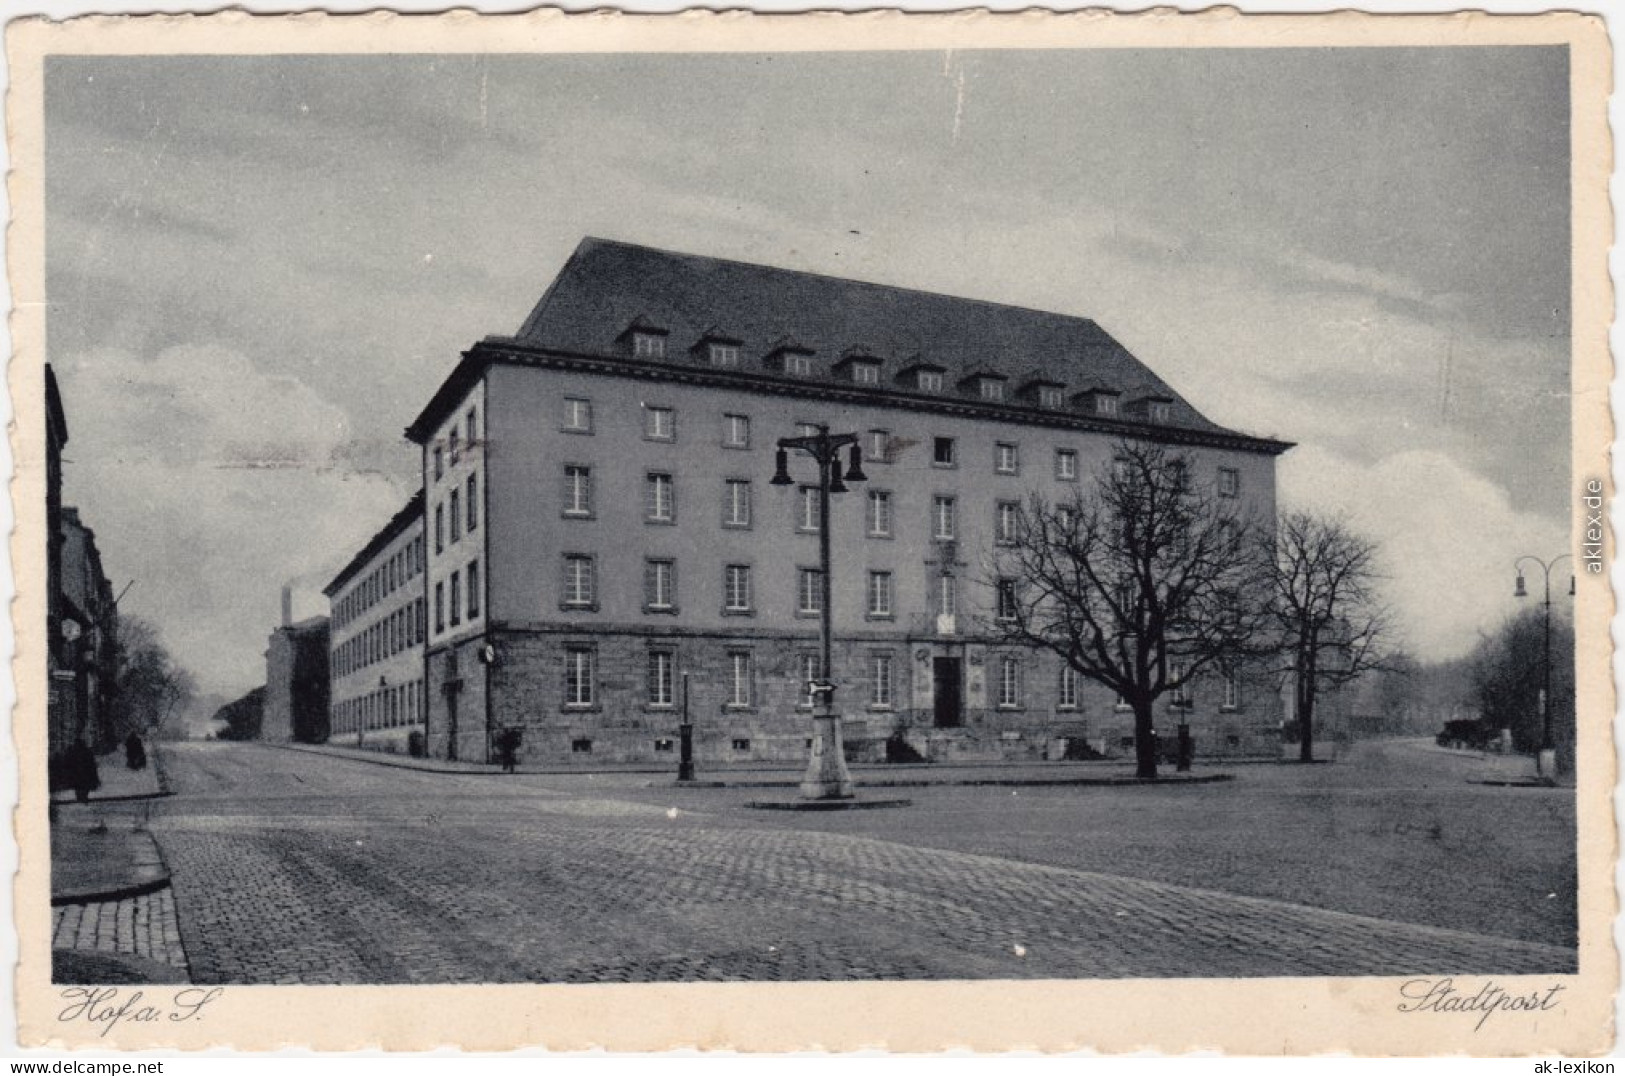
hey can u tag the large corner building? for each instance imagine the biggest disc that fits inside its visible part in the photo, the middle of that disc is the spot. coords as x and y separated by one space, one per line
600 535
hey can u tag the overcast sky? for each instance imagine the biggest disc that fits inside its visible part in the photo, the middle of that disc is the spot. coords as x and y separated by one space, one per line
260 269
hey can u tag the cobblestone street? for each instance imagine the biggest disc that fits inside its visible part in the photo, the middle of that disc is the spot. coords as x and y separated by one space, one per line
292 867
143 926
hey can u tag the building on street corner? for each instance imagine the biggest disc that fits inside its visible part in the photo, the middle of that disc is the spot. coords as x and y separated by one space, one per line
296 680
598 519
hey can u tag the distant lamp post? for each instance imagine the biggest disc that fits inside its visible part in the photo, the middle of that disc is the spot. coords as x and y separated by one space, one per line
1546 760
827 777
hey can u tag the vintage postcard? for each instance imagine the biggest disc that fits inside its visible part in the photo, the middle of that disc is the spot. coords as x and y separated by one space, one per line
813 532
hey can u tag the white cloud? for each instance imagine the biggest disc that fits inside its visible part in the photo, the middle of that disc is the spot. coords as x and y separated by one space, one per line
1448 538
209 484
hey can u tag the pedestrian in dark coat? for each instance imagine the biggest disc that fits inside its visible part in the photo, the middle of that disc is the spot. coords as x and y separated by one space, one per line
135 752
81 771
508 749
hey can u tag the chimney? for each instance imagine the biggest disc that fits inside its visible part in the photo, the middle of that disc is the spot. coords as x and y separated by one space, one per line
287 606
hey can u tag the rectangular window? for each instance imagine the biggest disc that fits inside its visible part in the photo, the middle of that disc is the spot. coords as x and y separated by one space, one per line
739 686
1066 695
879 513
1006 522
1179 693
453 448
929 381
879 449
992 388
947 595
808 520
660 498
473 589
659 585
577 490
1229 482
578 581
724 354
1006 593
1232 690
1066 464
661 677
456 599
1105 405
648 346
439 463
439 529
439 607
809 591
736 588
659 424
579 688
736 503
456 515
1009 682
735 431
1049 397
807 665
880 681
473 426
577 414
942 517
880 594
798 364
473 502
865 373
942 451
1006 458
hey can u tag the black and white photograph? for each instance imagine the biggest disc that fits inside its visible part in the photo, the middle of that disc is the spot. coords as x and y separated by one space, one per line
735 513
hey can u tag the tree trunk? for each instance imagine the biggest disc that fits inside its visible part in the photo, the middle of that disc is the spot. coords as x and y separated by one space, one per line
1145 742
1306 717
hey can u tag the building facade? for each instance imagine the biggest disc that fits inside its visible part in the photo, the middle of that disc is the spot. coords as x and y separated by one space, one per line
376 649
89 635
295 708
603 540
61 716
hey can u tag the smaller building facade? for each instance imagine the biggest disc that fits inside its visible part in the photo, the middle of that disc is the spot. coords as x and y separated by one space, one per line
296 682
89 636
379 617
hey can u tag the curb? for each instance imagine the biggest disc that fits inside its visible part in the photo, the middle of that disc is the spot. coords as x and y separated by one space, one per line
104 896
972 782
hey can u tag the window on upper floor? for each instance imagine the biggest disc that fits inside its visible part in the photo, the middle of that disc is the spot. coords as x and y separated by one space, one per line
866 373
942 451
723 354
1006 458
1229 482
736 589
439 529
473 502
809 591
990 388
808 519
880 594
472 426
1005 595
648 346
1066 464
660 498
797 363
579 584
928 380
1007 522
735 431
456 589
1049 397
943 518
1160 410
659 585
879 513
577 414
473 589
439 462
736 502
456 516
1105 404
453 445
577 490
659 424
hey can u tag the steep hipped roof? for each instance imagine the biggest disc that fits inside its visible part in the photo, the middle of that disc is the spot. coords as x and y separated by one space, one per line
607 286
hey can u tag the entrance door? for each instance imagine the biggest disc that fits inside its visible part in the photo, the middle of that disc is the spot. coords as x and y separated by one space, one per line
945 681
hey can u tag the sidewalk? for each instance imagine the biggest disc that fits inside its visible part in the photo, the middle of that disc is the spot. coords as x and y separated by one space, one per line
866 775
119 782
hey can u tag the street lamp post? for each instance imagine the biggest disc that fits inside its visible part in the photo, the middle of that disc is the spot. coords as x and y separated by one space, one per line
1546 760
827 777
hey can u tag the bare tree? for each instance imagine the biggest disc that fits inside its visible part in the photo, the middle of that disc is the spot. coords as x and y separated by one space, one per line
1329 623
1141 582
151 688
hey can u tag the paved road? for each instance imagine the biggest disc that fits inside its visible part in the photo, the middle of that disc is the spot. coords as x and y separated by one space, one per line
294 868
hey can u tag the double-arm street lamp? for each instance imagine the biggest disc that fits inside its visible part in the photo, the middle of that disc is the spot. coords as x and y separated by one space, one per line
1546 761
827 777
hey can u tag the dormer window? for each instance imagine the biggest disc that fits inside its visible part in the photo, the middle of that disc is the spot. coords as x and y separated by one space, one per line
1161 410
986 384
791 357
929 380
989 388
724 354
648 345
866 373
797 363
1105 404
1049 397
